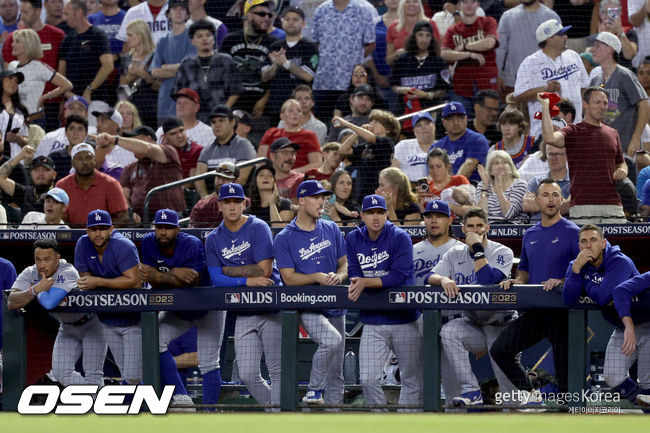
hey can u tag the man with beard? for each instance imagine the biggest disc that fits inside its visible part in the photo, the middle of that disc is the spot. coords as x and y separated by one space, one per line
173 259
106 259
90 189
283 156
546 250
28 197
362 100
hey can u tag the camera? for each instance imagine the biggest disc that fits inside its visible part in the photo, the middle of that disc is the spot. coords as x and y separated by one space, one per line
423 184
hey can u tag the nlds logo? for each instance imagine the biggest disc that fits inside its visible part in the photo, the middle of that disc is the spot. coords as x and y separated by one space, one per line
249 298
397 297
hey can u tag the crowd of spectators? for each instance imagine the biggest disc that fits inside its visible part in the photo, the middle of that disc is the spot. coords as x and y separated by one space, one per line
415 100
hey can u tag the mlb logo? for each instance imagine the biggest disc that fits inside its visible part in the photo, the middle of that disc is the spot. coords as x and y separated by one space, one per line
233 298
397 297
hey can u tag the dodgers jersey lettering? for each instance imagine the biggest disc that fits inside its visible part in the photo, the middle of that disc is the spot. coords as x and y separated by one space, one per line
426 256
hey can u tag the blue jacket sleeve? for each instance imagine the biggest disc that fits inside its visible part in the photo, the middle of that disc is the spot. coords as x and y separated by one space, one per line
624 292
218 279
401 266
354 269
51 298
488 275
573 286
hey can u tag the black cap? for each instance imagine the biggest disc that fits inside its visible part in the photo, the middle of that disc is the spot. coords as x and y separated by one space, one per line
364 89
423 25
294 10
264 167
43 160
283 142
142 130
10 73
171 123
221 111
174 3
243 117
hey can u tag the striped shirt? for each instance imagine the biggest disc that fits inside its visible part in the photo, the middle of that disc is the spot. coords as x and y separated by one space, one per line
514 194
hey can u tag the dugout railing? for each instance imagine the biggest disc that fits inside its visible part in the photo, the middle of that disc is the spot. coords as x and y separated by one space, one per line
291 300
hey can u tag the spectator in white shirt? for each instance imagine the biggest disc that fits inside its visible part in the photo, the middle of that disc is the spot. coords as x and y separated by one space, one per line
55 204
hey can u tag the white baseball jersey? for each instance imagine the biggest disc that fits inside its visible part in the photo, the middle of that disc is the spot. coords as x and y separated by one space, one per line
160 26
426 256
55 140
64 278
200 133
36 221
458 265
412 159
538 69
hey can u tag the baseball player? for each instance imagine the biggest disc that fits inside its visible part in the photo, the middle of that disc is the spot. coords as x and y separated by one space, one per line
106 259
546 250
49 280
597 271
240 253
381 255
171 258
309 251
479 261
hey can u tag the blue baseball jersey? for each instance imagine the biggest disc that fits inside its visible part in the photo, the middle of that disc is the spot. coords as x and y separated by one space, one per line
188 253
389 258
469 145
120 255
546 251
623 294
7 277
599 283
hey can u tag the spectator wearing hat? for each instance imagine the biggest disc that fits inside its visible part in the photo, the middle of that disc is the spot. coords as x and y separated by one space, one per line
227 146
109 20
629 109
283 156
188 104
55 203
157 164
85 56
470 46
152 12
552 68
465 147
294 60
57 139
362 101
110 122
244 123
188 150
88 188
76 131
27 196
220 82
170 51
303 94
205 212
338 55
410 155
309 153
197 12
266 203
611 16
331 161
13 130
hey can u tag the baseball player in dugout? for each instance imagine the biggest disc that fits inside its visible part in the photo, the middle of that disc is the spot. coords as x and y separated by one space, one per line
602 272
173 259
310 251
240 253
479 261
546 250
106 259
380 255
48 281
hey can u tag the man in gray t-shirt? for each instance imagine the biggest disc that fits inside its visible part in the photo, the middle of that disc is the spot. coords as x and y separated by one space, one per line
628 107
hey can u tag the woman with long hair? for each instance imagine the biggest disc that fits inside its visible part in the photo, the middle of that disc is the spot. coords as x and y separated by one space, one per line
401 201
409 13
501 190
130 116
27 48
13 129
454 189
340 207
266 203
136 83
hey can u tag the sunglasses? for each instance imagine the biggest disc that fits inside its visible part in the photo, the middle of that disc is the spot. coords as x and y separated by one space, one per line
264 14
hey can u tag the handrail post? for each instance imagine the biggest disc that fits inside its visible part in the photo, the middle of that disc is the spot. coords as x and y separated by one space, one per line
289 375
14 355
577 353
431 357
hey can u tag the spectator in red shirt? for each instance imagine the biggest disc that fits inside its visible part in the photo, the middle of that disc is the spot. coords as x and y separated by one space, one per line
188 150
205 212
283 155
309 153
331 161
89 189
470 45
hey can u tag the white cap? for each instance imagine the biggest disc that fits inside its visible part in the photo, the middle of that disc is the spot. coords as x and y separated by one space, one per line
550 28
82 147
611 40
112 114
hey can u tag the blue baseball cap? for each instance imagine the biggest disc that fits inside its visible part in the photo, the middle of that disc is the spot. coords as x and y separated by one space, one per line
231 190
453 108
99 217
166 217
76 98
311 187
419 116
373 201
437 206
57 194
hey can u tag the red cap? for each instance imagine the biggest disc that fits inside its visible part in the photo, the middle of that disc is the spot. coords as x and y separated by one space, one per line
188 93
553 98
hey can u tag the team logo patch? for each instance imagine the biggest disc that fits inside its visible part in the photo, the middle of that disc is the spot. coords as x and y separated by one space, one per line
233 298
397 297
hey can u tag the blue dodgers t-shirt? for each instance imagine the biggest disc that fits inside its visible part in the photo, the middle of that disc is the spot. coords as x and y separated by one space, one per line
7 277
120 255
547 251
111 26
469 145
